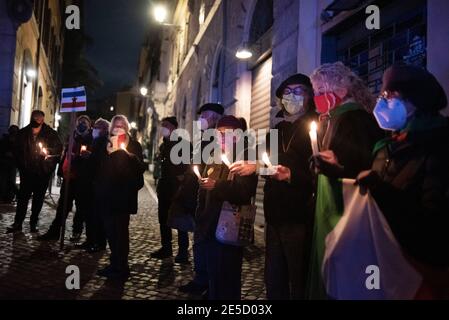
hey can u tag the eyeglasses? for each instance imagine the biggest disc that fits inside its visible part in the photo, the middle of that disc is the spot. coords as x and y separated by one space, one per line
298 91
387 95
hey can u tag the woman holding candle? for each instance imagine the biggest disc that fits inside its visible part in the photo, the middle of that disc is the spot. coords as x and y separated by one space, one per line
409 178
224 262
288 191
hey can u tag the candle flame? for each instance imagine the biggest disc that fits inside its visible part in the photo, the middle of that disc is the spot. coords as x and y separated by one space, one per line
197 172
83 148
44 150
266 159
122 146
313 126
40 145
225 160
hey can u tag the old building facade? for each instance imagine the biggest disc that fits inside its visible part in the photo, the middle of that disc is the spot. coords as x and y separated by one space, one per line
36 72
198 62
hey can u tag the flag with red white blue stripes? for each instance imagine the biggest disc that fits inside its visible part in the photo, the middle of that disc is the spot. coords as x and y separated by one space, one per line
73 100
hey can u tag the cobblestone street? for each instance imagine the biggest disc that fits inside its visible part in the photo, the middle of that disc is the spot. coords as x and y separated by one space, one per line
30 269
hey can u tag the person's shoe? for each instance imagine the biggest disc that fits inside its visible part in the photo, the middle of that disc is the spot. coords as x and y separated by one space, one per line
83 246
50 235
182 258
193 288
76 236
14 229
34 228
162 253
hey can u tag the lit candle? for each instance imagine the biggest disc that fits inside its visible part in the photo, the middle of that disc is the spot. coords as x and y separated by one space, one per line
197 172
83 148
225 160
122 146
266 160
44 150
314 138
40 145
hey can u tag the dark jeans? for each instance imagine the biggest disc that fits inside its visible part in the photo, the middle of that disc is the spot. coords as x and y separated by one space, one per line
166 232
285 261
224 267
30 184
117 233
8 188
79 193
200 261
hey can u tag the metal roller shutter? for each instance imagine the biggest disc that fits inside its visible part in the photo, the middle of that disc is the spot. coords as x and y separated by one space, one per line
260 117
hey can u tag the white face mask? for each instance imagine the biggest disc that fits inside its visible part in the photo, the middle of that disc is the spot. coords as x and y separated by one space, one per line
204 123
165 132
391 114
96 133
118 132
293 104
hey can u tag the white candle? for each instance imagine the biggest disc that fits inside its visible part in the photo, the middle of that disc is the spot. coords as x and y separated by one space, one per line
225 160
314 138
40 145
266 160
197 172
83 148
122 146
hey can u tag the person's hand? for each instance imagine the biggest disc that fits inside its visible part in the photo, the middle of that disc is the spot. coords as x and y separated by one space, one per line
282 174
85 154
326 162
207 184
243 168
367 180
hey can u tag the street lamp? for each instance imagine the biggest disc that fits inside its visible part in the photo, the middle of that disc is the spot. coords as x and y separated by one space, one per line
133 125
111 108
244 52
31 73
160 13
144 91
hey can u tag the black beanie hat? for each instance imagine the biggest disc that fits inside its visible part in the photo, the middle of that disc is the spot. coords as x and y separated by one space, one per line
417 85
294 79
230 121
171 120
215 107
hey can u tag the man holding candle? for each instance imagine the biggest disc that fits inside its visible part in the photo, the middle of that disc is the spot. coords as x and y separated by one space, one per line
224 262
209 114
78 180
35 167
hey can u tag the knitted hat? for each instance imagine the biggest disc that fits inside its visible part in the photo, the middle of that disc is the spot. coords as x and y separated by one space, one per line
417 85
294 79
230 121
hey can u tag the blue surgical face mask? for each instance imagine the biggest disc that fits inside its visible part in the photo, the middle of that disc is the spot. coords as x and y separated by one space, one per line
391 114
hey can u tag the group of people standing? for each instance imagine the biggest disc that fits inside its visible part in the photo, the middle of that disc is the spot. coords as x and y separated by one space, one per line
102 180
396 147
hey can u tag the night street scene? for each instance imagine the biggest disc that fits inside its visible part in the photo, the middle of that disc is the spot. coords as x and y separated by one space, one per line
224 156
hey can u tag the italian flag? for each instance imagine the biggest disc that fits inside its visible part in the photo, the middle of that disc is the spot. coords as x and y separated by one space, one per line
355 255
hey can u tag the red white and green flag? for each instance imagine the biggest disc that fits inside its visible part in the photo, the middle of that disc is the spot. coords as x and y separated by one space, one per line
355 255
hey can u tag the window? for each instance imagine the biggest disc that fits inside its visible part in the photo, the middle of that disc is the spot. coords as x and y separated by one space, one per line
262 20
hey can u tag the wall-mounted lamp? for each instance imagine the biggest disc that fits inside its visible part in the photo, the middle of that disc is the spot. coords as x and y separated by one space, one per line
244 52
144 91
31 73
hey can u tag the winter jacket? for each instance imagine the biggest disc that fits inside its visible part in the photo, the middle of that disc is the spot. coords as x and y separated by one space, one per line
289 202
27 151
413 190
79 167
351 133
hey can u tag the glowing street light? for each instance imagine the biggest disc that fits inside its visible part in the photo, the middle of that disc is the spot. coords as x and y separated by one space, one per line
160 13
112 108
243 52
133 125
144 91
31 73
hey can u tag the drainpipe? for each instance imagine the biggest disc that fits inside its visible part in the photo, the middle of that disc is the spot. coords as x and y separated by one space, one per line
224 48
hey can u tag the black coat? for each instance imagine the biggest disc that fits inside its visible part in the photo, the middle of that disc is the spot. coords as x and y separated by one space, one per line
27 152
79 167
290 202
413 193
171 174
119 179
238 191
351 133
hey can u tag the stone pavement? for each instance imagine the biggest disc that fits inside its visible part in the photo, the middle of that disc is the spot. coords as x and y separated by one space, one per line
30 269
